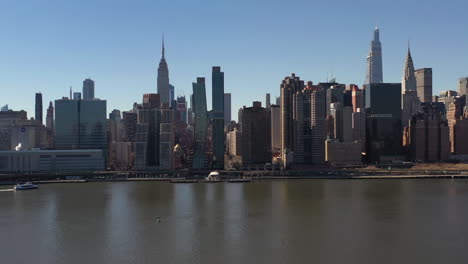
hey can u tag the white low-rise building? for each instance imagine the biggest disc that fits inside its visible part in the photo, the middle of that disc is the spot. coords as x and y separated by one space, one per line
43 161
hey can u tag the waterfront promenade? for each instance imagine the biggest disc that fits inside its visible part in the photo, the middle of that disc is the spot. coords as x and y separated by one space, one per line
253 175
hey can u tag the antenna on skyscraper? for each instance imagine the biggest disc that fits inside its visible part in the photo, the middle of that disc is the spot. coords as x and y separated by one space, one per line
163 49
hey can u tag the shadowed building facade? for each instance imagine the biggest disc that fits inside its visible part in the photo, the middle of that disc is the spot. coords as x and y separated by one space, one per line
289 87
218 117
201 124
80 124
383 122
428 134
38 106
256 139
302 122
227 108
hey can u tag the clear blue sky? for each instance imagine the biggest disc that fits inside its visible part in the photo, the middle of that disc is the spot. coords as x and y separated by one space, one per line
49 45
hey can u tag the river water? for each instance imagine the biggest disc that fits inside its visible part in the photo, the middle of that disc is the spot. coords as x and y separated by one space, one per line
296 221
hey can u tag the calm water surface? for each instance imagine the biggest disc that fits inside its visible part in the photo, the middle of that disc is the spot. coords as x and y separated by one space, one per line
309 221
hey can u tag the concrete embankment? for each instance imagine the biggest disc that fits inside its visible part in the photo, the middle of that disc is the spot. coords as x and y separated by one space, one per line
251 175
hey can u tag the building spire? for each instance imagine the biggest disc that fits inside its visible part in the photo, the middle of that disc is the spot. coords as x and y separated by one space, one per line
409 79
409 47
71 98
377 34
163 50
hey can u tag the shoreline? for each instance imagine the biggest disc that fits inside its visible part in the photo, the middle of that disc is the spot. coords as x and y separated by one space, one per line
250 180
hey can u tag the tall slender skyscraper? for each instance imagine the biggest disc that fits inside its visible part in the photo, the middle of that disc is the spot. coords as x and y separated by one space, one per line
171 92
163 79
50 117
267 101
317 120
38 115
409 79
227 108
410 101
88 89
218 117
201 123
289 87
374 60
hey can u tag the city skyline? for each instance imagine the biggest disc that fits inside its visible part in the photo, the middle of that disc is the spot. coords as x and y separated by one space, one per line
121 86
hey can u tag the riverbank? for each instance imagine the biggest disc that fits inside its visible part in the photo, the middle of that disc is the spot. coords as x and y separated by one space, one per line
249 180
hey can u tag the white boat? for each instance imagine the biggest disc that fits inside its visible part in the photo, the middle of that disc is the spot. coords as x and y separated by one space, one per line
213 177
25 186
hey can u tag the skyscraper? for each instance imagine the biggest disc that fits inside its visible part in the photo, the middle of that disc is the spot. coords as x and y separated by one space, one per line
334 95
427 136
8 120
458 123
76 96
88 89
267 101
275 128
38 116
129 126
289 87
424 84
383 122
359 126
256 139
151 101
227 108
317 120
171 93
115 126
374 60
182 109
302 123
166 141
409 79
50 117
218 117
163 79
410 101
80 124
147 144
357 98
463 86
201 124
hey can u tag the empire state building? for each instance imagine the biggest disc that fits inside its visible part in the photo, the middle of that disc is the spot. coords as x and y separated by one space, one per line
163 79
374 60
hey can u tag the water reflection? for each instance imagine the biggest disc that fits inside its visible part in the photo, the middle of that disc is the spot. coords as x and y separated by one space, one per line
323 221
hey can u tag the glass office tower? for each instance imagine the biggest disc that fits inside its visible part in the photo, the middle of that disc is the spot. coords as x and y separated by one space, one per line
383 122
201 123
80 124
218 117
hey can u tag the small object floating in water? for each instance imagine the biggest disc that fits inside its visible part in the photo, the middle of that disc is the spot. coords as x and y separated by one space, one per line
25 186
158 220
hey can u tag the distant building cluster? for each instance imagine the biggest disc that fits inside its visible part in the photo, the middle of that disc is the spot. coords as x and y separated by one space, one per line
323 125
